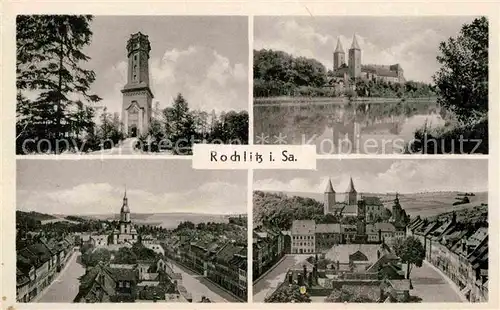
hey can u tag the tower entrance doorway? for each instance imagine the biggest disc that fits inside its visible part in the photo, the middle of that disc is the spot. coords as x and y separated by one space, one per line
133 131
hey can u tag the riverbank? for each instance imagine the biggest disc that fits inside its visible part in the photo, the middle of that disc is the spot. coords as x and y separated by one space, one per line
454 138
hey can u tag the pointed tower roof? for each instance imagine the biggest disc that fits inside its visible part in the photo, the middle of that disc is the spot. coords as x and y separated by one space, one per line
329 187
355 45
340 48
351 188
125 207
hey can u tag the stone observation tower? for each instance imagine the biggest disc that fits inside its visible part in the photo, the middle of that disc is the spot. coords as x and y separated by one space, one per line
137 95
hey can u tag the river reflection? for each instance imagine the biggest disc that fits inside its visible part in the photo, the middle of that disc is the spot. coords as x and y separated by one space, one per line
366 128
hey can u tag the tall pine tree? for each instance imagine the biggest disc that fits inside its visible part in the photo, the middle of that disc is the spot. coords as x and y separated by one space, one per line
49 59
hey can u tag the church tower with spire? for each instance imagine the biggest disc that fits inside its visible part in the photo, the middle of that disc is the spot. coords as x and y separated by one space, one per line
125 223
355 59
352 194
329 198
338 56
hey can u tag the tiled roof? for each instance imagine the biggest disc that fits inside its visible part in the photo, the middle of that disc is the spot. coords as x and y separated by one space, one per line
123 274
21 277
328 228
478 237
384 227
339 48
354 44
429 228
342 252
379 70
441 229
303 227
371 229
329 186
372 201
351 188
227 252
350 209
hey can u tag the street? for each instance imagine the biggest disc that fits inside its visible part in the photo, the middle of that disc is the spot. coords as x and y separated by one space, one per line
125 147
428 284
266 285
198 286
65 286
431 286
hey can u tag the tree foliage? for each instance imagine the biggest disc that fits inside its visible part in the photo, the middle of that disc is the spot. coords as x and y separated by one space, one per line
277 73
287 294
49 64
411 251
179 127
92 258
378 88
462 80
279 210
343 295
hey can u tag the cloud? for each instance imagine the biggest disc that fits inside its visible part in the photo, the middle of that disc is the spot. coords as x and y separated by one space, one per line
416 51
103 198
405 176
205 78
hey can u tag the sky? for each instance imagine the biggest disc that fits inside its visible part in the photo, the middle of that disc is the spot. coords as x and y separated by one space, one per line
83 187
204 58
410 41
380 176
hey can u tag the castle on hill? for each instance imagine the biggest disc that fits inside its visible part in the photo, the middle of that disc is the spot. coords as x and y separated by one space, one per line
353 204
354 69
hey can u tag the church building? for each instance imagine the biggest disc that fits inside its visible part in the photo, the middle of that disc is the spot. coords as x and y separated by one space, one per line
137 95
127 232
341 203
354 69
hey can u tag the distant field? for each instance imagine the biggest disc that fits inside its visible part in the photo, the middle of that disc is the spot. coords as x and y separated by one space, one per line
166 220
423 204
58 220
431 204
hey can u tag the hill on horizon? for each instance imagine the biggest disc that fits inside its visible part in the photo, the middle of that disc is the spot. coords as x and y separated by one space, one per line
425 204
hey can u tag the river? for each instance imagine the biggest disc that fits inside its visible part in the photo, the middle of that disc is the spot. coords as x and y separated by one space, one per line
336 128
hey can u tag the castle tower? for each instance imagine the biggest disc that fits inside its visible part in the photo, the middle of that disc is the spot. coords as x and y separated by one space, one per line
125 224
338 56
137 95
352 195
355 59
329 201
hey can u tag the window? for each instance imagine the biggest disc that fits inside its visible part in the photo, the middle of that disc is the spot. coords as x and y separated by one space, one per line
127 284
120 284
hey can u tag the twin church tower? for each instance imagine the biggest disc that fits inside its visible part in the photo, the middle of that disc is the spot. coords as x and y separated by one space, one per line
354 69
354 58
